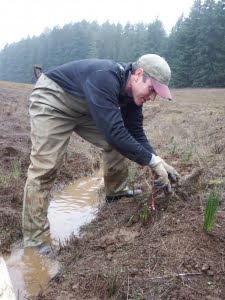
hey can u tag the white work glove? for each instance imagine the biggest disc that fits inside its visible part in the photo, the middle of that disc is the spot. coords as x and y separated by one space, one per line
172 173
157 167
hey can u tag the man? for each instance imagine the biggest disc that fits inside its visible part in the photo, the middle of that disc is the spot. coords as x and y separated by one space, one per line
101 101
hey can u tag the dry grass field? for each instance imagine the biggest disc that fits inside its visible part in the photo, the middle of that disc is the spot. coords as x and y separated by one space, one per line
130 251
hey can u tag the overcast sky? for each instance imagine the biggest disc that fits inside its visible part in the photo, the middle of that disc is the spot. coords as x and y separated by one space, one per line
22 18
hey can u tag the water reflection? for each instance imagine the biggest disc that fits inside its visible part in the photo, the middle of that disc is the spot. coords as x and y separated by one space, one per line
6 288
73 207
29 271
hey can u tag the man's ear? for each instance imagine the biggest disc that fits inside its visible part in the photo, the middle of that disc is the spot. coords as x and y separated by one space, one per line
139 72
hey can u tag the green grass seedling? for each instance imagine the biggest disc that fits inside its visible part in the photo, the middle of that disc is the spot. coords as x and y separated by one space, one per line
144 215
132 176
4 179
16 169
210 210
188 154
173 146
113 279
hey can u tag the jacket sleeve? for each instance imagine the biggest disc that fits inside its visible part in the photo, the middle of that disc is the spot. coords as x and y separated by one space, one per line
133 119
102 93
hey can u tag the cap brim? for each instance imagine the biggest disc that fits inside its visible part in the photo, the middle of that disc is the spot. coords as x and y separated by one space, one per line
161 89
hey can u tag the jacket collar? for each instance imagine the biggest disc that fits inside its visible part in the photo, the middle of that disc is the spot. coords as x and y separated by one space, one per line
125 70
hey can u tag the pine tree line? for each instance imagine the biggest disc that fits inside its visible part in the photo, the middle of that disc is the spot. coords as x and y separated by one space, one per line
195 48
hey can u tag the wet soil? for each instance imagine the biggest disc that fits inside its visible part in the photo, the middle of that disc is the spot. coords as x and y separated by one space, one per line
130 251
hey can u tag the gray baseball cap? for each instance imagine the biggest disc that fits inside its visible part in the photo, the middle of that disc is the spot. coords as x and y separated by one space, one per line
159 71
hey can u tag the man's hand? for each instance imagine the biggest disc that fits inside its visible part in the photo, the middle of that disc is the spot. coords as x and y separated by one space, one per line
172 173
163 180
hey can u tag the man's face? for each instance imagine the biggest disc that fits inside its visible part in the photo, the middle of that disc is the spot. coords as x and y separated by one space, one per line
142 91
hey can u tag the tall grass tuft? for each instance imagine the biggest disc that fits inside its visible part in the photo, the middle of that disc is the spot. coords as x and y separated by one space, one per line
144 215
113 283
210 210
132 177
16 169
173 146
188 154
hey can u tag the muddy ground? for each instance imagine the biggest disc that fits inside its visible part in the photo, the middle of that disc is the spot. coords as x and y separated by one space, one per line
130 251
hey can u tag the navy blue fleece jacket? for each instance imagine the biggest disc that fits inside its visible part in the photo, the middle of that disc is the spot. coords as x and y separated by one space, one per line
102 84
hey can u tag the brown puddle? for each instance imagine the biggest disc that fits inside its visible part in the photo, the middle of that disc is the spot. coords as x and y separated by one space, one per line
29 272
73 207
68 210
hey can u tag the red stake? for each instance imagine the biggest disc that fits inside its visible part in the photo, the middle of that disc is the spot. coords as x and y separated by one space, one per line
153 198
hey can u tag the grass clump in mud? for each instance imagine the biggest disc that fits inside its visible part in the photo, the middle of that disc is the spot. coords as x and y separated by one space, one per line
144 215
173 146
11 185
133 178
16 169
4 179
8 179
211 209
113 282
188 154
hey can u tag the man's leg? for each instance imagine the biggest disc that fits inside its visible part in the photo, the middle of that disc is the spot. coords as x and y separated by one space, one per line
50 133
114 164
115 172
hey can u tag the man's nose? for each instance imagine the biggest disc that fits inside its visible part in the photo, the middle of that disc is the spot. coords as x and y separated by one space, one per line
152 96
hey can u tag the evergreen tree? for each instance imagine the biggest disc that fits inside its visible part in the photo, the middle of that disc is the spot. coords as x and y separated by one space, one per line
156 38
195 49
178 54
219 59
